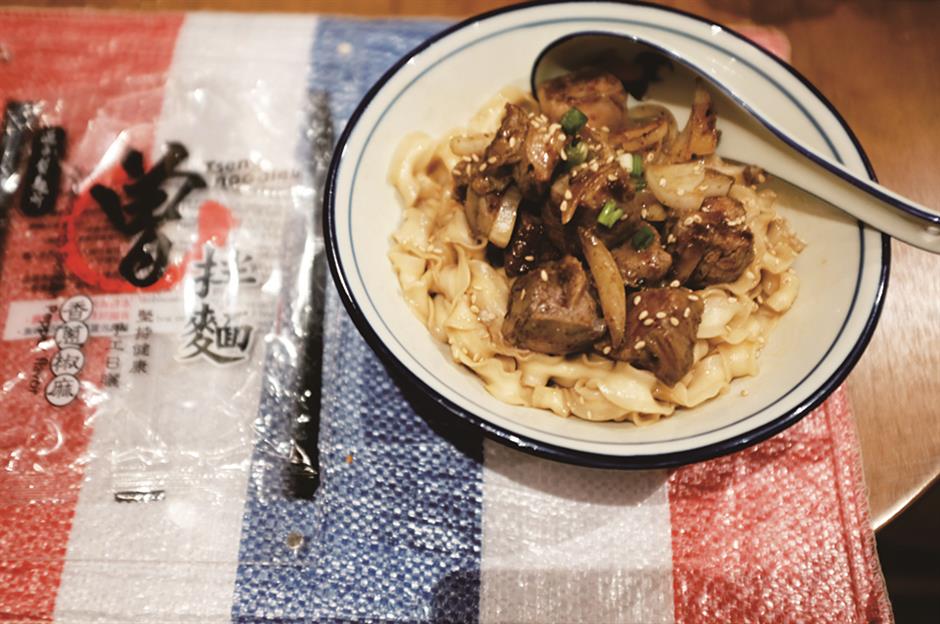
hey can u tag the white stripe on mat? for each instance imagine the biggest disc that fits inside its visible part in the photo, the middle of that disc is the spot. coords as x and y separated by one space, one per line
569 544
234 91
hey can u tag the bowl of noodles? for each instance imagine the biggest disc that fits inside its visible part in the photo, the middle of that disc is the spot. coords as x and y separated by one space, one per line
600 268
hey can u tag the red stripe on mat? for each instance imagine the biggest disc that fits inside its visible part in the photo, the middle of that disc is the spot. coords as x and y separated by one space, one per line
779 532
79 63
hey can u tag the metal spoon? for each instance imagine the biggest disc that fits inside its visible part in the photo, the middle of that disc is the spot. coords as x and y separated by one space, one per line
794 161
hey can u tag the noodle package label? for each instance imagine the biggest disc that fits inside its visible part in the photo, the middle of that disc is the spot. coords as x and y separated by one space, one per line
158 233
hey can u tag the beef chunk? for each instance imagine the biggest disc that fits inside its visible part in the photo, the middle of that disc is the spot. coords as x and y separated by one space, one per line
597 94
642 259
711 245
528 246
551 310
525 150
661 331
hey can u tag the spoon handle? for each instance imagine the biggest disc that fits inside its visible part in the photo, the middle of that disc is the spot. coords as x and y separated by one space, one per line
868 201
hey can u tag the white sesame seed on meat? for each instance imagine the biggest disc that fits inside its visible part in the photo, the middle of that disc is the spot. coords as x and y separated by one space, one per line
660 315
636 300
673 321
686 312
544 275
639 345
648 322
568 194
674 284
529 258
643 314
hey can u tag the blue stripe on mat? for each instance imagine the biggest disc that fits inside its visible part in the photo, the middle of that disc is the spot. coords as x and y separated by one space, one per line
394 534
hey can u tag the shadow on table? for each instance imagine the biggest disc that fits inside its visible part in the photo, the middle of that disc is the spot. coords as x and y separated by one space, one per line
909 548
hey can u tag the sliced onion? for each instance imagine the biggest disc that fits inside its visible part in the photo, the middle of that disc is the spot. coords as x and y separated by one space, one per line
505 221
609 283
467 145
684 186
649 125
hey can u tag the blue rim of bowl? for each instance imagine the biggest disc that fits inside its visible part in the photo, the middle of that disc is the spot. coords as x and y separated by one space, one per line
545 449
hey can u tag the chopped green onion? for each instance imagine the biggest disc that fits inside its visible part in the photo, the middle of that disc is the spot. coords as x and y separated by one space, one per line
643 238
637 171
576 153
610 214
573 120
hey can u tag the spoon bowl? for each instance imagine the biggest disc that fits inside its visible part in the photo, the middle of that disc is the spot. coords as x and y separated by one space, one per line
789 159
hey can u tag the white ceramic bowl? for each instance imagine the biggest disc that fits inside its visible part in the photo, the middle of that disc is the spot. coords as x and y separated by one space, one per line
843 270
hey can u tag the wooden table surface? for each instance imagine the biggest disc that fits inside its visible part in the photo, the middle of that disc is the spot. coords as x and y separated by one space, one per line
877 61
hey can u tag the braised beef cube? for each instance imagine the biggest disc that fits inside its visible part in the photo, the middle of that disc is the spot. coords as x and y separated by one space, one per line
528 246
542 149
552 310
642 259
711 245
598 94
590 187
661 330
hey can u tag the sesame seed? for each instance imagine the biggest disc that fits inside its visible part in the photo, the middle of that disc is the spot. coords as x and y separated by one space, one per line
733 299
512 141
673 321
643 213
544 275
688 221
636 300
639 345
674 284
482 167
671 238
660 315
693 297
644 314
648 322
593 166
563 155
529 258
611 176
703 187
744 393
534 123
465 158
554 128
475 309
491 160
686 312
606 350
609 160
474 158
605 128
564 205
650 156
749 275
662 182
522 295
